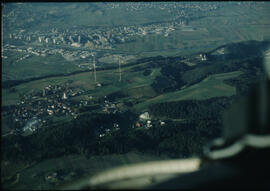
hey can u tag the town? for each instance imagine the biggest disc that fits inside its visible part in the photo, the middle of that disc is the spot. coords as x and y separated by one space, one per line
82 44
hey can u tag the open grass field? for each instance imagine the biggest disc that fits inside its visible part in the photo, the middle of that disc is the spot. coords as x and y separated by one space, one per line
230 24
236 23
212 86
132 83
35 66
178 42
9 98
34 176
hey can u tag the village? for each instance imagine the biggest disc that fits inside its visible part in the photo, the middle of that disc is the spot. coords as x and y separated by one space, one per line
39 109
34 110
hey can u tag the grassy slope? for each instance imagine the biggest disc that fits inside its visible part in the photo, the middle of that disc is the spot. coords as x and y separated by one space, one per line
240 23
36 66
212 86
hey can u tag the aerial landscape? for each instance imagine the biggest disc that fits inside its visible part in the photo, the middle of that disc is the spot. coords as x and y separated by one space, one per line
90 86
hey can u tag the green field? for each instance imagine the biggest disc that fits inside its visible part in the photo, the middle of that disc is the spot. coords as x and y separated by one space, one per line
212 86
134 84
35 66
178 42
230 24
131 82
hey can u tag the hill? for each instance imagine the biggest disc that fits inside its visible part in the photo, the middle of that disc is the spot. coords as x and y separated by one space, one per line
185 112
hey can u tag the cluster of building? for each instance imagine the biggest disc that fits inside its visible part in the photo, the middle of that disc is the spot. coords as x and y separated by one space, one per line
35 109
97 37
111 107
45 51
203 57
165 6
71 44
32 125
108 131
56 177
104 38
146 122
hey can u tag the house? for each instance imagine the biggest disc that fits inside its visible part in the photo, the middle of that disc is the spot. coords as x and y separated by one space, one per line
64 96
138 124
203 57
107 130
144 116
148 124
52 177
50 112
32 124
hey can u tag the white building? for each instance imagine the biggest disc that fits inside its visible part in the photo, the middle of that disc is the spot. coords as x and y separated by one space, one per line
64 96
203 57
101 135
145 116
148 124
162 123
75 44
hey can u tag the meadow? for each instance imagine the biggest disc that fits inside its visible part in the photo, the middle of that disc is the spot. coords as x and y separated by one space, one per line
212 86
35 66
